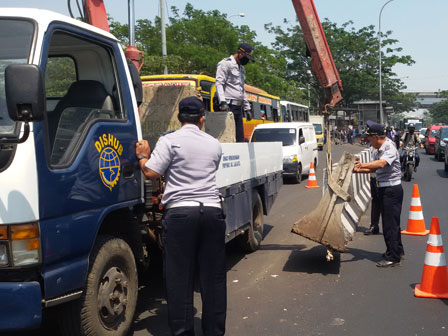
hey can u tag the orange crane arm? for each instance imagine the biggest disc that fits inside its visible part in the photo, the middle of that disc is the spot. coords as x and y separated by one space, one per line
322 63
95 14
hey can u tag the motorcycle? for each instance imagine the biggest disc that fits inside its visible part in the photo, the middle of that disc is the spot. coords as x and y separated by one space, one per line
408 164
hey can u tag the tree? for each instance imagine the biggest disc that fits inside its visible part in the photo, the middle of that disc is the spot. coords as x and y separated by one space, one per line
198 40
355 53
439 111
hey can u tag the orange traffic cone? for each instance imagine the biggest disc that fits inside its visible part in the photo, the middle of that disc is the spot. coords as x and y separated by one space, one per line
416 222
312 182
435 275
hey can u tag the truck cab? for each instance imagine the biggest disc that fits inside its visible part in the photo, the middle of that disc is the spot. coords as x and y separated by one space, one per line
62 185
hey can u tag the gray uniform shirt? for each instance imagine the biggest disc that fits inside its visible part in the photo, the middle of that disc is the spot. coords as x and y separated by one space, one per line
392 171
230 77
189 158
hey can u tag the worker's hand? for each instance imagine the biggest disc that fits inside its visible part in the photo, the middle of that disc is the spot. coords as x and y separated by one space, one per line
248 115
223 106
358 165
142 148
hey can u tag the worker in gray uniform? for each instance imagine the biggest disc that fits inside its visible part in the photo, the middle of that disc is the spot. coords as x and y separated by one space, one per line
386 163
230 77
193 222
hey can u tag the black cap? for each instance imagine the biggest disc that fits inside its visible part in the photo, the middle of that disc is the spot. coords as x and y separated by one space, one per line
247 50
374 128
191 105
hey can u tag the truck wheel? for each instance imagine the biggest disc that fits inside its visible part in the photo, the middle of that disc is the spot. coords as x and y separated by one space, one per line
250 241
108 303
298 177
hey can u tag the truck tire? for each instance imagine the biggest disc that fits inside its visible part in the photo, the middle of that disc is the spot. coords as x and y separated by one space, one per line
250 241
108 303
297 178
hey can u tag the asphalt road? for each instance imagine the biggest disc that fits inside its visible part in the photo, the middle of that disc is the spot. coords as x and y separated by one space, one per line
288 288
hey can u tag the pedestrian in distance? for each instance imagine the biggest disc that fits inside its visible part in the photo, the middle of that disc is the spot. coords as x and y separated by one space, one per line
386 163
193 222
230 77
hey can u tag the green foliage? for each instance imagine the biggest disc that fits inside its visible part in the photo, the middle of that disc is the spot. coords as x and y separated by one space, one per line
439 111
60 73
197 40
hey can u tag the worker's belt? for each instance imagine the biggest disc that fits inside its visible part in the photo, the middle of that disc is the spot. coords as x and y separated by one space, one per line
191 204
235 102
388 184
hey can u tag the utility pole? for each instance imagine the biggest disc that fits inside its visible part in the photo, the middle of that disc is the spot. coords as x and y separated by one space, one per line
379 51
162 19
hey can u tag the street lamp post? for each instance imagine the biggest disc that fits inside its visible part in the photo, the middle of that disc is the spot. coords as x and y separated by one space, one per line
309 96
162 23
239 14
379 51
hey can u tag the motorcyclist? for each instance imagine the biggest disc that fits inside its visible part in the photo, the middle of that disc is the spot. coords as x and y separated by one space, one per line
410 139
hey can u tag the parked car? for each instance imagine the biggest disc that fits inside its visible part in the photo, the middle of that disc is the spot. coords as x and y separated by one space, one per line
446 159
299 145
440 144
430 138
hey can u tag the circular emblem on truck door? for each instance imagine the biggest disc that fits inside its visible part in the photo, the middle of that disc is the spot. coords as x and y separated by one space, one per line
110 150
109 167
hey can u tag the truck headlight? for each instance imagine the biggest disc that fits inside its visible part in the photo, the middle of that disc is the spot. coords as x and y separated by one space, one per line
3 255
291 158
25 244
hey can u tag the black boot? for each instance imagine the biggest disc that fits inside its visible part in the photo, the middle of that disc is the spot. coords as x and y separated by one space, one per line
372 230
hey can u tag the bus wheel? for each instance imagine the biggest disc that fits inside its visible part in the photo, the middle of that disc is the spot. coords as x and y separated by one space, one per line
109 300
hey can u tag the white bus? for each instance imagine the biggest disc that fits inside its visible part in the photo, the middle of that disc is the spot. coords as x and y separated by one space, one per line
294 112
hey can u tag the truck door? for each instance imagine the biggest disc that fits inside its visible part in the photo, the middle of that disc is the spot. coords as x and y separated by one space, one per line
85 149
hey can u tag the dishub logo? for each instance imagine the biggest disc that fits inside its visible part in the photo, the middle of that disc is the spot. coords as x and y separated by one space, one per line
110 151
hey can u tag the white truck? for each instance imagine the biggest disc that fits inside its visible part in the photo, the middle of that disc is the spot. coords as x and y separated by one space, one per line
319 128
76 220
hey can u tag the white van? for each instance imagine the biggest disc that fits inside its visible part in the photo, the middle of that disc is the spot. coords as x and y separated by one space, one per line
299 145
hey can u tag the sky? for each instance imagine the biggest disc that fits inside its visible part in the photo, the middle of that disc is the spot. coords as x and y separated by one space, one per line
419 26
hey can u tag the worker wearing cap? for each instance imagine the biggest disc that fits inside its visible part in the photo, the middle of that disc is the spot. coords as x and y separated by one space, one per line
230 77
386 163
193 222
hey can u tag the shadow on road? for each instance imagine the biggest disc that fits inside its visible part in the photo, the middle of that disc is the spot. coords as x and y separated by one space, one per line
442 173
362 254
312 261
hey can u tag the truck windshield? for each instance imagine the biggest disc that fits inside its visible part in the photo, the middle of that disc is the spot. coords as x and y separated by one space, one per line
287 136
317 128
15 44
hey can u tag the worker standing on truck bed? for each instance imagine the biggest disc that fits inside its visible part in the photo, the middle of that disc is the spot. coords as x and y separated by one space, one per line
386 163
230 77
193 221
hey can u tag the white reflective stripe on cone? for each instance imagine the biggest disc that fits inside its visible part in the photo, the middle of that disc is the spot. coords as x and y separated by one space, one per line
312 178
416 202
415 215
435 240
435 259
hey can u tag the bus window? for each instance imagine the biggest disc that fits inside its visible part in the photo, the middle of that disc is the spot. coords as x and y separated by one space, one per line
284 113
276 115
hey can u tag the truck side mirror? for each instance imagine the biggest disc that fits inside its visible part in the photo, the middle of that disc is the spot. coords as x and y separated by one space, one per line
301 140
25 92
25 96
